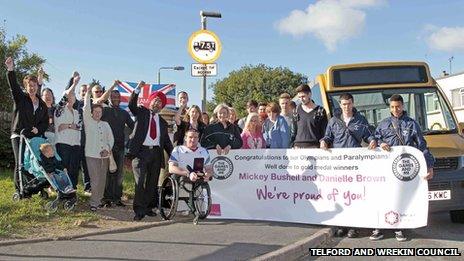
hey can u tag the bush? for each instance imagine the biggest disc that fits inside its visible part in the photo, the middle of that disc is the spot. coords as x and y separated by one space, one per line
6 152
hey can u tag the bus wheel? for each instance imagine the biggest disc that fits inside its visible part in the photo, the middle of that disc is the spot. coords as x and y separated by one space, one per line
457 216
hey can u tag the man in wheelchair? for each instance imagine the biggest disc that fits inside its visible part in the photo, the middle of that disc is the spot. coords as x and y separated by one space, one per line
190 160
189 165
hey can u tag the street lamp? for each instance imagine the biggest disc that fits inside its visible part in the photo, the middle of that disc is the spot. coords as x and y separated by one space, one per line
203 15
175 68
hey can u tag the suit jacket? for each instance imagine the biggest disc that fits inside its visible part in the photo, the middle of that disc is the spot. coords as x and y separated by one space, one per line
139 133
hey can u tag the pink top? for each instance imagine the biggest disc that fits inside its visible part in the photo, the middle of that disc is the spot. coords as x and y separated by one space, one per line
253 141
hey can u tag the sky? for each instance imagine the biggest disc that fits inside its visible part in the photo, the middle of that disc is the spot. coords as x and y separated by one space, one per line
131 40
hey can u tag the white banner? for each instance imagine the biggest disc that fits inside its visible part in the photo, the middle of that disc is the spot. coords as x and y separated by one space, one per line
353 187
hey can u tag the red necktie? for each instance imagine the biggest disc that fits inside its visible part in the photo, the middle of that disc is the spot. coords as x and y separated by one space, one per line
153 128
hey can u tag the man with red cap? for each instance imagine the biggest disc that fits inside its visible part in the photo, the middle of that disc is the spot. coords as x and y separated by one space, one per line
147 142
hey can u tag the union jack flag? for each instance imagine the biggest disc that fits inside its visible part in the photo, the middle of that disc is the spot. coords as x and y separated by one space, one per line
126 89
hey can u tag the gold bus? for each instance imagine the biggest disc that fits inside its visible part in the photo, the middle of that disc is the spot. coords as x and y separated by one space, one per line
372 84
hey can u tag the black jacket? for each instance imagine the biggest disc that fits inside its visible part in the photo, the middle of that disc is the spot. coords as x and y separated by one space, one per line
24 116
183 128
139 133
118 119
50 164
216 134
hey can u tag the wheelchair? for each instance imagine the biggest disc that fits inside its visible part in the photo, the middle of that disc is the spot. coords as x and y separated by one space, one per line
198 199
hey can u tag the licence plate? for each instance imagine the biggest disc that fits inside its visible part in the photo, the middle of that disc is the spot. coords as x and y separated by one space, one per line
439 195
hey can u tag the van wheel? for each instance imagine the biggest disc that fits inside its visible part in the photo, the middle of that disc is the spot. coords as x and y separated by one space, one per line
457 216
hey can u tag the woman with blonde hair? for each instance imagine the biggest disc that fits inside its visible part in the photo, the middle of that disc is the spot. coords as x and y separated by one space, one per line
252 135
222 135
192 120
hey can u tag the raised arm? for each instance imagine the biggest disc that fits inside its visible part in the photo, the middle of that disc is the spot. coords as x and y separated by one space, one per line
106 94
87 109
134 99
72 83
16 91
177 117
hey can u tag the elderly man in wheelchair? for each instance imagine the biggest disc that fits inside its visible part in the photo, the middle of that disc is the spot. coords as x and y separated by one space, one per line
189 173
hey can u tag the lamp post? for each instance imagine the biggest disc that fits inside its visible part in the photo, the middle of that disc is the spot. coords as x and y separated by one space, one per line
175 68
203 15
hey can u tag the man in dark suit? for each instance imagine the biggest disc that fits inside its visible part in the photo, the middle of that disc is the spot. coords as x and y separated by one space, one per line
148 140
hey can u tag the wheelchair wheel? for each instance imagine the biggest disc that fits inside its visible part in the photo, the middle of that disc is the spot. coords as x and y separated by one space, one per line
169 197
202 199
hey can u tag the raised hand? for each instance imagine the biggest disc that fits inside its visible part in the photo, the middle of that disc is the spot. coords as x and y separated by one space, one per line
76 78
141 84
9 64
41 71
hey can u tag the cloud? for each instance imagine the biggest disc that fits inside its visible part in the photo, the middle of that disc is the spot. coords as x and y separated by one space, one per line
447 39
330 21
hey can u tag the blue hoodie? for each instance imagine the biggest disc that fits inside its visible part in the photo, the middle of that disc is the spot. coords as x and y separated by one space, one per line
408 133
277 135
341 136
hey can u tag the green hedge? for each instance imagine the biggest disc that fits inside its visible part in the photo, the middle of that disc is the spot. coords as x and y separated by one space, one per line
6 152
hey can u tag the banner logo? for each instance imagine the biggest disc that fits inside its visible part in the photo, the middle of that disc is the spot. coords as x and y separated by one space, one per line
222 167
406 167
392 217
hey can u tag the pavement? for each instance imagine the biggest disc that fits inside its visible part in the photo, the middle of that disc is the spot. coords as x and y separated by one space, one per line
181 240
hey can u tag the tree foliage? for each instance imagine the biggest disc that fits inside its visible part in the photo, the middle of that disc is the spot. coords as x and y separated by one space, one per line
261 83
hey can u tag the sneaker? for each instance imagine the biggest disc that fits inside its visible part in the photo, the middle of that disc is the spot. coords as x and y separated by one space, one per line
399 236
376 235
352 233
69 190
93 208
119 203
185 213
340 232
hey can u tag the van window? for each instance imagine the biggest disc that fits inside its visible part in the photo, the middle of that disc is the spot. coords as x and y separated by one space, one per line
425 105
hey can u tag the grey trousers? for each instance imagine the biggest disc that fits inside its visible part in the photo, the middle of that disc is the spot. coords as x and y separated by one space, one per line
97 171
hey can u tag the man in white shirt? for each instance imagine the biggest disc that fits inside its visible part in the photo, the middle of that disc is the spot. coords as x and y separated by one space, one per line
183 158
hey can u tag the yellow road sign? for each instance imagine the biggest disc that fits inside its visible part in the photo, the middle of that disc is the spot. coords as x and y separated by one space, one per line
204 46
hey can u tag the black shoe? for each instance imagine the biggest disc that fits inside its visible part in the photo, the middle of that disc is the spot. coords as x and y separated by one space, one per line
150 213
106 204
352 233
138 217
340 232
119 203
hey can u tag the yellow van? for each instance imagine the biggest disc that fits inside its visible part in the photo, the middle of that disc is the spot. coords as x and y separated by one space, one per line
372 84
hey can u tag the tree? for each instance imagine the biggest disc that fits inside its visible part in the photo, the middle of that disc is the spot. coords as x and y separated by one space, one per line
261 83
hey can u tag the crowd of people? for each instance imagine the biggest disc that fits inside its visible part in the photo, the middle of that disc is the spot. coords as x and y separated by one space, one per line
92 127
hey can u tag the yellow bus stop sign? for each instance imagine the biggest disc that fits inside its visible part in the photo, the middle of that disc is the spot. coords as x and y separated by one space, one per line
204 46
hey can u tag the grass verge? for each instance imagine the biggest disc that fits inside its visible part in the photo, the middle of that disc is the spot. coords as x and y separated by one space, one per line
20 219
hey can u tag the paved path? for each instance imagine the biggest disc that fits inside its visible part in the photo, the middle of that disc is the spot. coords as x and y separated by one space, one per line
440 233
211 240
